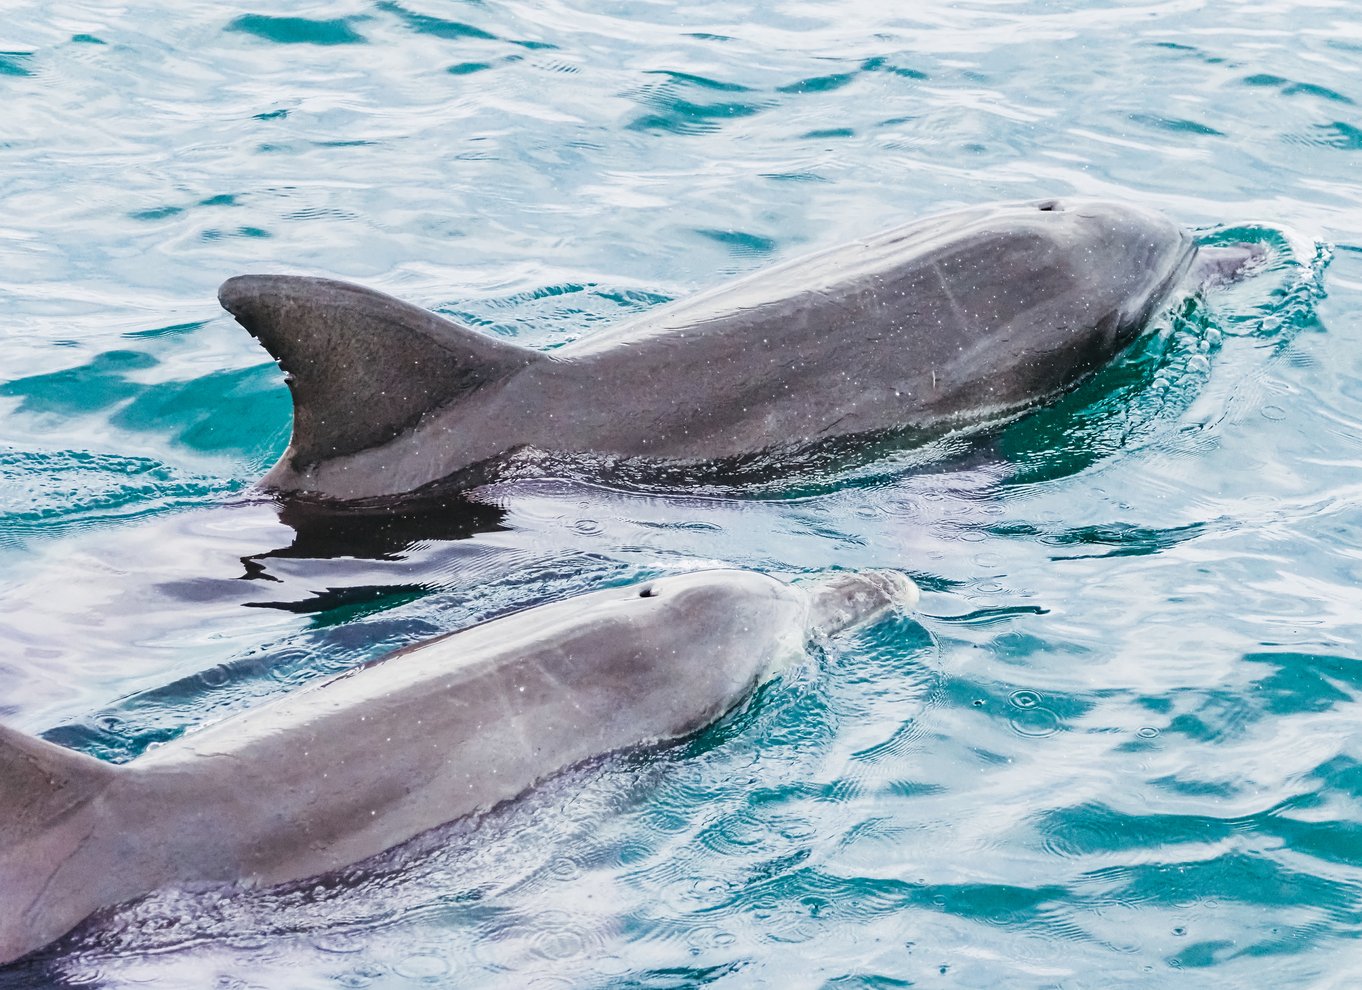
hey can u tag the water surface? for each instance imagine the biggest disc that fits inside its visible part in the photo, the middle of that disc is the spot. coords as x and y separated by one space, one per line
1119 741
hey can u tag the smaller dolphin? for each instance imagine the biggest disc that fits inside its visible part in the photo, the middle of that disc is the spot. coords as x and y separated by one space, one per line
336 773
941 323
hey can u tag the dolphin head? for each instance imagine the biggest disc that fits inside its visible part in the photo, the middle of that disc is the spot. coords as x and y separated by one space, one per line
752 621
1038 295
1128 258
828 604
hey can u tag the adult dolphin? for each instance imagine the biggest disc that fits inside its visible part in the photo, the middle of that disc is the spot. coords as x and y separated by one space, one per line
333 774
922 328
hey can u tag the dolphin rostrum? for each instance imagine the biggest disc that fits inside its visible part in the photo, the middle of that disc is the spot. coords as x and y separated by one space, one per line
926 327
335 773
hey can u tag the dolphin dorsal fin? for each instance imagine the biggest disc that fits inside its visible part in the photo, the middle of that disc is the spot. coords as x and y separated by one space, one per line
40 783
362 366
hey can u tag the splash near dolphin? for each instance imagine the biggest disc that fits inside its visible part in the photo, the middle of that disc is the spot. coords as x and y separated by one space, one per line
924 328
334 774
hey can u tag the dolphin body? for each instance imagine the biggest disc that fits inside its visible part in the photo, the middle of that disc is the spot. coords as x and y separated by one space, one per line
920 329
336 773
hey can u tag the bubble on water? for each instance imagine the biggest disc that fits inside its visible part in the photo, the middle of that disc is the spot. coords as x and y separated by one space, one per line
1037 723
1033 719
340 941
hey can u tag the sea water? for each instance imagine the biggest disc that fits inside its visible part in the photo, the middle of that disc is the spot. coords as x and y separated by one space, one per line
1117 746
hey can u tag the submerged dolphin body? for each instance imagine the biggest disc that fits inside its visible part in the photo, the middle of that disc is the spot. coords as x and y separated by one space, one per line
334 774
923 328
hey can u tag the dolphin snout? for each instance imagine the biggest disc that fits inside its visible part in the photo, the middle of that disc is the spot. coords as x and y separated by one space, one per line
1226 263
843 600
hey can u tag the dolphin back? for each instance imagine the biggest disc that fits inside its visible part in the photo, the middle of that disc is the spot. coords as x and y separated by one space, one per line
362 366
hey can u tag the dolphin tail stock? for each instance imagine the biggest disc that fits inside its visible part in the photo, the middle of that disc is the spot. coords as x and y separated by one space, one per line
44 793
361 365
40 783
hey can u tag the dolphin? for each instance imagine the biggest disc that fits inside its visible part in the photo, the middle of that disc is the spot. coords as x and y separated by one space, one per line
335 773
942 323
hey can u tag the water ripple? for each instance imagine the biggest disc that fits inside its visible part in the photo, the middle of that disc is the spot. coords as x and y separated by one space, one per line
1116 744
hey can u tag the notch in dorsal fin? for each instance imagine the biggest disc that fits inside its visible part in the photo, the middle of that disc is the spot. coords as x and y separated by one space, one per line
362 366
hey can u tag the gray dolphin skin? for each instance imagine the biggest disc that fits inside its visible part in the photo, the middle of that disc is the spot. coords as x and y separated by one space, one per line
336 773
940 323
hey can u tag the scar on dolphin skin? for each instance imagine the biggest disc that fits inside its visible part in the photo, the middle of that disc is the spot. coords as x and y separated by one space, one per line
941 322
290 790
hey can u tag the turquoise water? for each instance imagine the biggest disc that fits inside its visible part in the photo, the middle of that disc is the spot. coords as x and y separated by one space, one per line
1118 746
